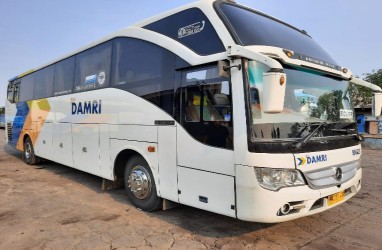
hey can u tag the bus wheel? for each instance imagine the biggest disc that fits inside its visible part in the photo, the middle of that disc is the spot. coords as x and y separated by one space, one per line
28 155
140 185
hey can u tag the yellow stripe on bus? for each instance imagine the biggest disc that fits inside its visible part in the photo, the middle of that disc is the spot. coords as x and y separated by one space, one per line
26 73
38 112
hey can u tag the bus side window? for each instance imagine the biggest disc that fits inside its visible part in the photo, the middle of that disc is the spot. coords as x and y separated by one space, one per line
64 76
44 83
10 92
26 88
178 27
207 110
145 70
93 68
16 93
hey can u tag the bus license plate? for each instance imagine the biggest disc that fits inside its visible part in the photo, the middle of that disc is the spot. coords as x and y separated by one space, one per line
335 198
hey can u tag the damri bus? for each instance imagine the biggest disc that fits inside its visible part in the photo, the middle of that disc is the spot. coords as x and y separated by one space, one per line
206 105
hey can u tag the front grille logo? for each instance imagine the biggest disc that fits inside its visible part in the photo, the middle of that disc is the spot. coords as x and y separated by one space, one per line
339 174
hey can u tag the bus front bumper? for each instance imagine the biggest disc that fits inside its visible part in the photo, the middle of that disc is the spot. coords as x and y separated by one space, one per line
257 204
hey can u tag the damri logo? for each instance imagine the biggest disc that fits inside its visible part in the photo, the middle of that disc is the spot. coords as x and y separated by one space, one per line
191 29
311 159
87 107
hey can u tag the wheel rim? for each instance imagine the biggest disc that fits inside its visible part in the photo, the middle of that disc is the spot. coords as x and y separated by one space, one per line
139 182
28 151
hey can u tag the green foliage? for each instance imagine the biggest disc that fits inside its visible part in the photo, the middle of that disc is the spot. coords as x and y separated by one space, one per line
328 105
364 95
375 77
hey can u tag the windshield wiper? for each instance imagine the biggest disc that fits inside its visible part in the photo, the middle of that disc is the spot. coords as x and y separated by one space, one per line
348 131
343 130
297 144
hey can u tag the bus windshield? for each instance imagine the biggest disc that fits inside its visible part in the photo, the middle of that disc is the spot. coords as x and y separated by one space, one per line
310 97
250 27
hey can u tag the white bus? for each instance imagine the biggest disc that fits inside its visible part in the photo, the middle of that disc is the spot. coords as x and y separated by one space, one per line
198 106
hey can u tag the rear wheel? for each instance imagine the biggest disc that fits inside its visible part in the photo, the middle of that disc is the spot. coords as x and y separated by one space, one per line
140 185
28 155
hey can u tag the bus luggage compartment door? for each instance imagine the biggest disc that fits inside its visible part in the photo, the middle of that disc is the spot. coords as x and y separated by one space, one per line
209 191
62 144
86 154
44 142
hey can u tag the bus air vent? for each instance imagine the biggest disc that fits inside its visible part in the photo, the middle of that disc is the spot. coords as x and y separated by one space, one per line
9 131
317 204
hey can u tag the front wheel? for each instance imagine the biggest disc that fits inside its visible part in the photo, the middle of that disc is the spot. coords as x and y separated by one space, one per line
28 155
140 185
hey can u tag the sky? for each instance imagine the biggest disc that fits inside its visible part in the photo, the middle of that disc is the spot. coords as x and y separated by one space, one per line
35 32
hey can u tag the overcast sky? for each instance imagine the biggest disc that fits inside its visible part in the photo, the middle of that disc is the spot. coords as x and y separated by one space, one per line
35 32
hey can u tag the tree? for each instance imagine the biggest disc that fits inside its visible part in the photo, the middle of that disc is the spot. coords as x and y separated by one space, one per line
328 106
364 95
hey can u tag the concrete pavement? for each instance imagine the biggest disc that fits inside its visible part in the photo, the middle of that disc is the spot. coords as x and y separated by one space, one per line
51 206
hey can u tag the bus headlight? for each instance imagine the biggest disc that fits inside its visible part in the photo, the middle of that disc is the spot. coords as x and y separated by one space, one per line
275 179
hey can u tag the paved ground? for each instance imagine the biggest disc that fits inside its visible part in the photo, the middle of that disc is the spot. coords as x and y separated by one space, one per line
55 207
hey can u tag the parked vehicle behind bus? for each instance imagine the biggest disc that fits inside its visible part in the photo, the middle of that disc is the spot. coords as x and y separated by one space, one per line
2 117
213 105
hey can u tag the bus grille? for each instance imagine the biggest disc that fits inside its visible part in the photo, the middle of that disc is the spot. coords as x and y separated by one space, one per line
326 177
9 131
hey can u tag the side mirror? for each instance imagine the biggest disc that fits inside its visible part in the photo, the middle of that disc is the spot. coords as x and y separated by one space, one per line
274 84
377 103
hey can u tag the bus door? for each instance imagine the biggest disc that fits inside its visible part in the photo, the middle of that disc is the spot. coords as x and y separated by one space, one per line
204 141
168 180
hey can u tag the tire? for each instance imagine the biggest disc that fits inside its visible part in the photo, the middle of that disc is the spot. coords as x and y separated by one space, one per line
28 154
140 185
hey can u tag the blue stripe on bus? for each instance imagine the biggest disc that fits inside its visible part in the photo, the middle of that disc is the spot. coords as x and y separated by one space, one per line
18 122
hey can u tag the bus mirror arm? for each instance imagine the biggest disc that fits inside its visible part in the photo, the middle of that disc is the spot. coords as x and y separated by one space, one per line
377 94
274 81
237 51
223 71
226 68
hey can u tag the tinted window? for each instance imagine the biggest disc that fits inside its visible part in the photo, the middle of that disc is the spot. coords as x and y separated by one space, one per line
253 28
191 28
93 68
63 76
10 92
16 90
26 87
44 83
144 69
206 104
